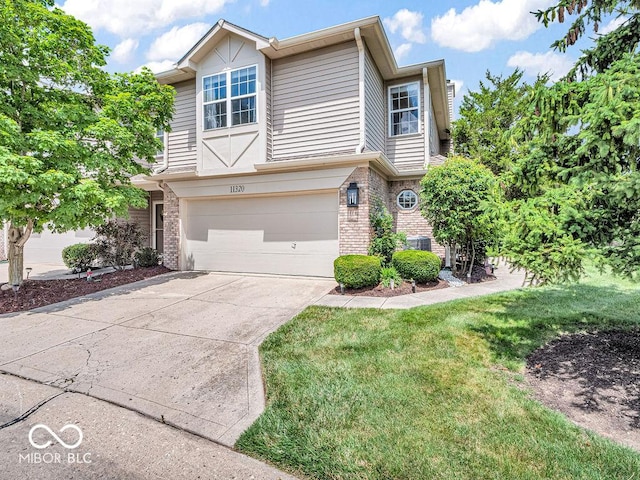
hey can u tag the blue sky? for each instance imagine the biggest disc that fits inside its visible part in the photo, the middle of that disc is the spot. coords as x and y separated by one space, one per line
471 35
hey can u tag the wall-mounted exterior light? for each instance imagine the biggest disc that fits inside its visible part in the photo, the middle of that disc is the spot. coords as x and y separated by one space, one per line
353 193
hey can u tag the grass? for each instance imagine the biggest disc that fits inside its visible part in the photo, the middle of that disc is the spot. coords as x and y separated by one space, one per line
433 392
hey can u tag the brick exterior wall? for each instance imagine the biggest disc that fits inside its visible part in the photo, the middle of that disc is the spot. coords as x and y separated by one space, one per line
355 230
411 221
171 255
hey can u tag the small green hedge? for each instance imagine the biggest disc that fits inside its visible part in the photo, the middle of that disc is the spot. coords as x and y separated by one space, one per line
357 271
79 256
418 265
147 257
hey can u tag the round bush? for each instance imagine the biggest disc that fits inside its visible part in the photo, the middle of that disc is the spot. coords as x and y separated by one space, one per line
147 257
79 256
417 265
357 271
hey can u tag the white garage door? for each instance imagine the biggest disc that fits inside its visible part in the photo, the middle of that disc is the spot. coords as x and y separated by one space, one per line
46 247
292 235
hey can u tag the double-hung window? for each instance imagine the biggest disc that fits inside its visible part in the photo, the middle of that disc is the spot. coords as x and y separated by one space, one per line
404 109
214 100
229 98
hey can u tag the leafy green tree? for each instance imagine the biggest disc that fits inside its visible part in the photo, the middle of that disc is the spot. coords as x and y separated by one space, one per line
608 47
486 118
577 178
582 166
70 133
460 199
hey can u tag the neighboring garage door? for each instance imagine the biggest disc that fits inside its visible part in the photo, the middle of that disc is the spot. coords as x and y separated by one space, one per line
46 247
293 235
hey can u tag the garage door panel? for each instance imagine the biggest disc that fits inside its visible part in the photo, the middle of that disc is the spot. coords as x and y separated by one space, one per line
46 247
282 235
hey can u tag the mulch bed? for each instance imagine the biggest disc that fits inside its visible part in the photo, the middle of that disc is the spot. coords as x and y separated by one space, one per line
478 275
594 379
38 293
381 291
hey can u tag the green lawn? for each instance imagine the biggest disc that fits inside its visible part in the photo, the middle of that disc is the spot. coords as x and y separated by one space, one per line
433 392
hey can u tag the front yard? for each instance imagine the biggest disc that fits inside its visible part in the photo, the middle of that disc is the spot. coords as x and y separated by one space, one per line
434 392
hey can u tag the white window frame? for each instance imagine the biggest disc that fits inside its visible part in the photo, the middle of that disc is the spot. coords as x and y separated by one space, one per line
162 135
403 192
229 98
212 102
392 111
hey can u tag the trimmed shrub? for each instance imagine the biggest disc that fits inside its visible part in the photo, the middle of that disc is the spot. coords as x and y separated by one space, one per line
79 256
147 257
357 271
418 265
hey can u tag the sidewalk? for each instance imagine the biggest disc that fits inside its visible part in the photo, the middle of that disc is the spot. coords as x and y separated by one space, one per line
505 281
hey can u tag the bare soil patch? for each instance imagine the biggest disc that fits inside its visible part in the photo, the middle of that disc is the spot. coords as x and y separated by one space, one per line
38 293
380 291
594 379
478 274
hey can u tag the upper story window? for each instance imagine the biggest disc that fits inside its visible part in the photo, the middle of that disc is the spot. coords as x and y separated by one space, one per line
160 135
236 105
404 109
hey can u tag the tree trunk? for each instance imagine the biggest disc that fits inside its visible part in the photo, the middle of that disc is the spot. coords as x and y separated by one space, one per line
473 259
17 237
452 257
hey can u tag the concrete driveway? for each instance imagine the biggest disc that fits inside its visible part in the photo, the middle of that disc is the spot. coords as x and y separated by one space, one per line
180 348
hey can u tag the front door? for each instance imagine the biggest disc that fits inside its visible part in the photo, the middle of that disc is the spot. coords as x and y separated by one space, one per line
158 226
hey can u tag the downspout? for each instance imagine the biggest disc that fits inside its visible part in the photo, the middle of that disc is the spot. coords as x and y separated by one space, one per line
360 44
427 117
165 155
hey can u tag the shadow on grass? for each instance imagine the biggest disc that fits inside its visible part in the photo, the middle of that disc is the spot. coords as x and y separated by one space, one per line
600 356
521 322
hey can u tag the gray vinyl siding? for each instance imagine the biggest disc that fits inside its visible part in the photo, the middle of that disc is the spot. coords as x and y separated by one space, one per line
316 103
268 115
374 106
182 138
407 151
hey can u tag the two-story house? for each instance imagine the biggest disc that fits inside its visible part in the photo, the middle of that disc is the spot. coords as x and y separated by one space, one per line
271 139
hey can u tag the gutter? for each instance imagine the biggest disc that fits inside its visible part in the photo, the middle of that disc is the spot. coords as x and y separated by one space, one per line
361 89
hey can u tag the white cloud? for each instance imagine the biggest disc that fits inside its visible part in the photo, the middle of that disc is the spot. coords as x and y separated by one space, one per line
402 50
554 64
264 3
612 25
176 42
157 67
123 52
409 24
126 17
480 26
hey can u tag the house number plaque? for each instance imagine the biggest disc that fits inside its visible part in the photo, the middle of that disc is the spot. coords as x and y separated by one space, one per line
237 188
